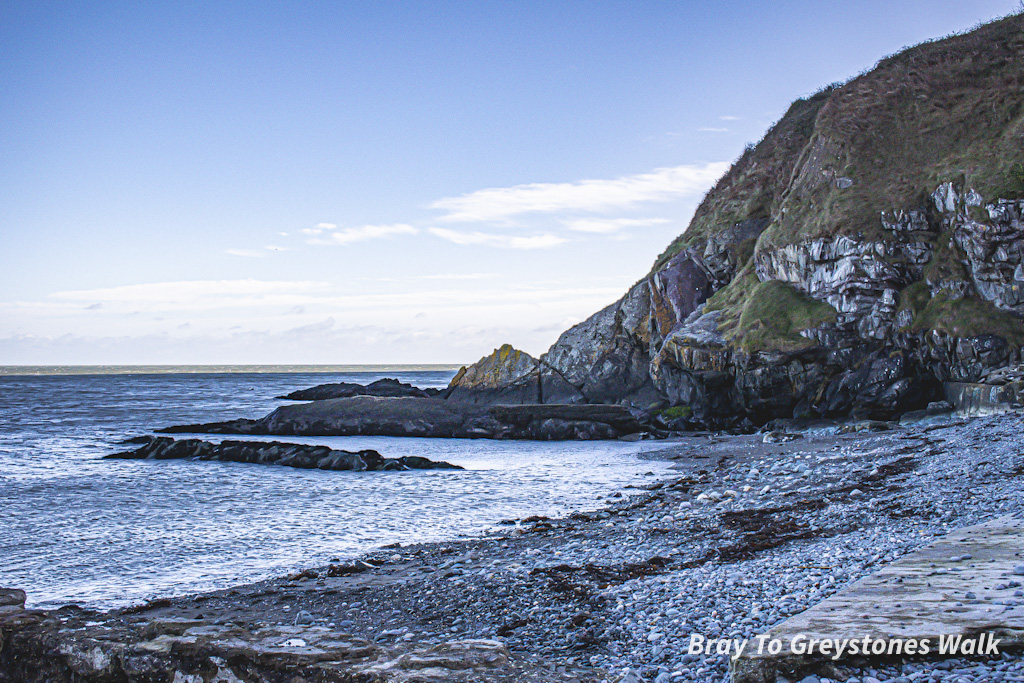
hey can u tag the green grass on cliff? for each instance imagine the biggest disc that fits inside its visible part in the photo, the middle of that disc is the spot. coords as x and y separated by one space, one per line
767 316
753 187
966 317
946 110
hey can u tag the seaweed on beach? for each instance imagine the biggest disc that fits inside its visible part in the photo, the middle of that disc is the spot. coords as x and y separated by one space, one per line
579 581
767 528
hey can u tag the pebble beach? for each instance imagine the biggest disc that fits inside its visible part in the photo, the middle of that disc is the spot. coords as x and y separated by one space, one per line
746 531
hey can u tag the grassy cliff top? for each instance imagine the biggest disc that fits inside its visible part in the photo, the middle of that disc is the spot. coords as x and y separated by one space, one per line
946 110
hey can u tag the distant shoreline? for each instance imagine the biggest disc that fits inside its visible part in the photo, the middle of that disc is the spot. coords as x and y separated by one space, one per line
36 370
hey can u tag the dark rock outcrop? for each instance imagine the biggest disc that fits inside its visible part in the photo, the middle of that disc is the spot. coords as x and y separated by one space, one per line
11 600
433 417
302 456
382 387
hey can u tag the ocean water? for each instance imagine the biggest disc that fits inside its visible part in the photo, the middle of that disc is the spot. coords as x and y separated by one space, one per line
104 533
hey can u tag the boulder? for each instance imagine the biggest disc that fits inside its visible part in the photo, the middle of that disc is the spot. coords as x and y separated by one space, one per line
12 597
12 601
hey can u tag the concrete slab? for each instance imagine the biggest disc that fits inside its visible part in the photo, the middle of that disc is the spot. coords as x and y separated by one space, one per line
966 584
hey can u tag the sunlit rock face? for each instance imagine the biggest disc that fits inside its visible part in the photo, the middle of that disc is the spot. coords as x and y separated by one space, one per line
511 376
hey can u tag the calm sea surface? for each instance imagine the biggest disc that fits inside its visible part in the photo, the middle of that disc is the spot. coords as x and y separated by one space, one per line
77 528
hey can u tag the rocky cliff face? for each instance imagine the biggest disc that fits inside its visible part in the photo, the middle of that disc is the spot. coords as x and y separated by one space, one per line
869 248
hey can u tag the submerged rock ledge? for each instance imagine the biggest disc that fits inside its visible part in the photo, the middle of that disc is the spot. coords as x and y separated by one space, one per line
298 455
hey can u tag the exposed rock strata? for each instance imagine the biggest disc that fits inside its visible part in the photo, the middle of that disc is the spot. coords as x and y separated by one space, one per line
998 391
302 456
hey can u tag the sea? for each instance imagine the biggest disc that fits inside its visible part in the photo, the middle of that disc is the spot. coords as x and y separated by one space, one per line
78 529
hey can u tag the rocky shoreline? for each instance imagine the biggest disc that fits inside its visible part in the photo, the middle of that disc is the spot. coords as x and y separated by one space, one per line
754 528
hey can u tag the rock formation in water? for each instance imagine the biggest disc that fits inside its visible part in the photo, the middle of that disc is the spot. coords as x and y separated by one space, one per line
382 387
302 456
868 249
434 417
509 375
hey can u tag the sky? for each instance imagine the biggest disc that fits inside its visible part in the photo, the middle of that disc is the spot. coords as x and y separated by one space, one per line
379 182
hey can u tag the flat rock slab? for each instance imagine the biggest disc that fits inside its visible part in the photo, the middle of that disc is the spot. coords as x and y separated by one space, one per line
986 399
192 651
433 417
962 585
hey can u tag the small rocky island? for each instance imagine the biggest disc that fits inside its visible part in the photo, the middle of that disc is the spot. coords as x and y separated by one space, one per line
382 387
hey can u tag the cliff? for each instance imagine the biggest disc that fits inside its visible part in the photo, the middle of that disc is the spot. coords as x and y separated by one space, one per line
866 250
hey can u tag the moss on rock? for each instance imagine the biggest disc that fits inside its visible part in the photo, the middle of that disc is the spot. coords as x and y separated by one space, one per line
767 316
959 317
676 413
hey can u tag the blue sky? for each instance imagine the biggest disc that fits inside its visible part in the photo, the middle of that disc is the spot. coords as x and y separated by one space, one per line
378 182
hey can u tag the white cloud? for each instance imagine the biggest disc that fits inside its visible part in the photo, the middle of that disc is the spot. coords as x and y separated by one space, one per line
713 130
239 321
457 276
258 296
500 241
606 226
190 291
362 233
499 203
255 253
728 117
317 229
